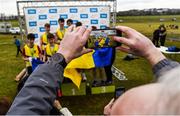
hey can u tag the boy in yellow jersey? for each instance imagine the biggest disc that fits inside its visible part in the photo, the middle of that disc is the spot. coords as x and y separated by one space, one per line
44 40
60 31
30 50
51 47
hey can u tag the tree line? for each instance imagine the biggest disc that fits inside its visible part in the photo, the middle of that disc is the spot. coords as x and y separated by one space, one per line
147 12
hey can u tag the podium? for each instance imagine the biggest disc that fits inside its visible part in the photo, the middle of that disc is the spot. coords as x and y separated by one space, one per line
69 89
103 89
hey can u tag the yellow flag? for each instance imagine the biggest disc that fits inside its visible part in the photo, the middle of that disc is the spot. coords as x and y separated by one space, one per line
83 62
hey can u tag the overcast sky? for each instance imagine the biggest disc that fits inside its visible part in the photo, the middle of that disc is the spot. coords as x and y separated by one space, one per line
9 6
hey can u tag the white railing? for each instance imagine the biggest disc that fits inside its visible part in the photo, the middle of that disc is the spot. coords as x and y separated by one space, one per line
118 73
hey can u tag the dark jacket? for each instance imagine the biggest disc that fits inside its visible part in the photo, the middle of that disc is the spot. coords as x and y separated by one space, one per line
39 92
156 34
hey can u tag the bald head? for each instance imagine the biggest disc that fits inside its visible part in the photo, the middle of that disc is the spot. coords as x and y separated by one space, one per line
140 100
162 97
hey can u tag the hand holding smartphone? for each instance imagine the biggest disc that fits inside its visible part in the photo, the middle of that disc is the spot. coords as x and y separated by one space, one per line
101 38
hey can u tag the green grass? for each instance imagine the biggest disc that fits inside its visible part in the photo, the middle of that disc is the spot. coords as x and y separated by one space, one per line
137 71
10 66
147 24
148 19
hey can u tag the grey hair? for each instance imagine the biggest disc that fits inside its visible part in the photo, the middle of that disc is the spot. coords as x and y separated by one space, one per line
169 96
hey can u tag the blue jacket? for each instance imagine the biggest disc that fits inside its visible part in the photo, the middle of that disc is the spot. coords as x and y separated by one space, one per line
17 42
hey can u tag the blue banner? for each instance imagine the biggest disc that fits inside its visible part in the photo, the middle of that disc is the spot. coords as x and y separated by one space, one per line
53 22
32 11
64 16
73 10
103 15
42 17
32 24
93 10
52 10
84 16
94 21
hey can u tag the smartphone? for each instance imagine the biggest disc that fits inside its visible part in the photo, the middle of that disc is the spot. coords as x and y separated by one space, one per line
118 92
101 38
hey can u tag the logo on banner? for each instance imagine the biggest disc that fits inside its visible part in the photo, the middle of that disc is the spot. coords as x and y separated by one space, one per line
103 27
84 16
73 16
73 10
52 10
93 10
94 21
85 22
32 23
41 29
31 17
32 30
36 35
53 23
83 10
64 16
75 21
42 17
104 9
53 16
94 16
63 10
32 11
42 10
103 22
54 29
103 15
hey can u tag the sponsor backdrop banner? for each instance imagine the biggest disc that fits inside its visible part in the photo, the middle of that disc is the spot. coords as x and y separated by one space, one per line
36 17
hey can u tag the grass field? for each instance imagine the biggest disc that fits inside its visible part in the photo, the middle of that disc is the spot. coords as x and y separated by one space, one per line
147 24
137 71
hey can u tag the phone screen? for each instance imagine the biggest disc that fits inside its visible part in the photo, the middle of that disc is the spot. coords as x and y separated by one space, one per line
101 38
118 92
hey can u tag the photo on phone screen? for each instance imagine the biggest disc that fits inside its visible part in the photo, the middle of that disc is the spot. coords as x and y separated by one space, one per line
119 91
101 38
